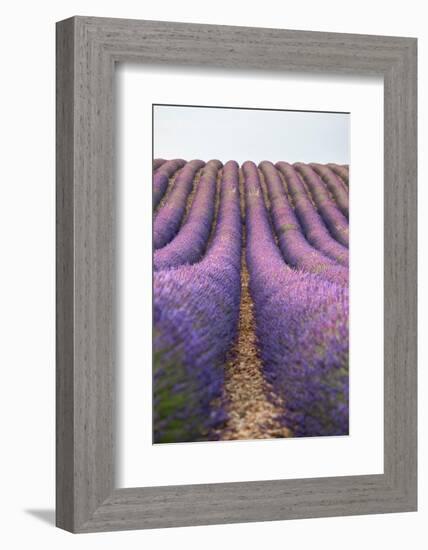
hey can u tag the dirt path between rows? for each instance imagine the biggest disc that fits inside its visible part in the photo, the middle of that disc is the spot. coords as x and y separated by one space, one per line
251 414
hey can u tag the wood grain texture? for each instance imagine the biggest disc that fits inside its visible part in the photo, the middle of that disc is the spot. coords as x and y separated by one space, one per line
64 276
87 50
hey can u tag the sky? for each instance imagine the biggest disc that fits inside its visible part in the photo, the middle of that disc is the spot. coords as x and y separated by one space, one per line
248 134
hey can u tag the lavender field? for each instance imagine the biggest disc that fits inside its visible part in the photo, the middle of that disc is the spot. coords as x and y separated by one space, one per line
250 292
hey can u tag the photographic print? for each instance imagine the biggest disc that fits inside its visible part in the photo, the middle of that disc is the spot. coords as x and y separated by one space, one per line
250 273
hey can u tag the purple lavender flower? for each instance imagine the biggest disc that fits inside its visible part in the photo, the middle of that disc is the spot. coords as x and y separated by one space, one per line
312 224
301 316
157 163
294 247
334 185
334 219
196 310
189 244
168 219
302 328
342 170
161 178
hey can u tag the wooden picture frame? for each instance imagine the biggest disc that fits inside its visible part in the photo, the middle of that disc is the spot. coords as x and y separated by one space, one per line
87 50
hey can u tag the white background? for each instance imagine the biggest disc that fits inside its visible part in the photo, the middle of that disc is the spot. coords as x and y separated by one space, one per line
27 299
138 87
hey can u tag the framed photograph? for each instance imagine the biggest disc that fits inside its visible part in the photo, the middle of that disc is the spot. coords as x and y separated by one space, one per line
236 274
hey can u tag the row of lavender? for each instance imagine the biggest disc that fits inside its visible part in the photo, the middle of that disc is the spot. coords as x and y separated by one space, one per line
297 237
196 309
301 320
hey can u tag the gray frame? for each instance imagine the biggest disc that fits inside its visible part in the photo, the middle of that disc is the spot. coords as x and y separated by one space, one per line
87 50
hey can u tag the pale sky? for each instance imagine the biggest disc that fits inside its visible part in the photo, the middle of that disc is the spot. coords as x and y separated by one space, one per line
245 134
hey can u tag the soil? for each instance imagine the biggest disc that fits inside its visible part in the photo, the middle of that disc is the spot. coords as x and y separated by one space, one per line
252 415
